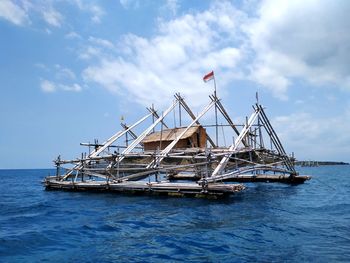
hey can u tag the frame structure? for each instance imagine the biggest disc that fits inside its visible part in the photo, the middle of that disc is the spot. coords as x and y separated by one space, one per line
213 170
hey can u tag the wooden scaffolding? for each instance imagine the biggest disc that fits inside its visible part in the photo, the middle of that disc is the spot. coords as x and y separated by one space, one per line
154 160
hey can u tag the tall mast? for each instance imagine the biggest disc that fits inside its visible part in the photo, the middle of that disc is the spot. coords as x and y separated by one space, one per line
216 115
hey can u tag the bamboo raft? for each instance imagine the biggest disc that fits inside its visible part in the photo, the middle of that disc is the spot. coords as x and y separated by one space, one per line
183 160
265 178
158 188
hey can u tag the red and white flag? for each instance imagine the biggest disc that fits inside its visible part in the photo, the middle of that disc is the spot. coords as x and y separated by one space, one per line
209 76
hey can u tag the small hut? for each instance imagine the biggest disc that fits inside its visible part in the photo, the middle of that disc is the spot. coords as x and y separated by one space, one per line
193 138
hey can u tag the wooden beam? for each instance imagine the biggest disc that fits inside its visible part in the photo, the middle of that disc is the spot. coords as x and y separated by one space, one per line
190 113
235 145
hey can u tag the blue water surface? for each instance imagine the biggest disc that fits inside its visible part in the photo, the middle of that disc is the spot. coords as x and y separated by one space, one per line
268 222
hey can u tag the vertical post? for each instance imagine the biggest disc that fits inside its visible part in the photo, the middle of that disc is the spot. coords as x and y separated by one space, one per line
180 114
247 138
118 174
161 135
58 166
174 117
250 137
82 164
260 134
117 160
255 138
271 144
153 116
216 114
206 163
157 164
223 134
236 161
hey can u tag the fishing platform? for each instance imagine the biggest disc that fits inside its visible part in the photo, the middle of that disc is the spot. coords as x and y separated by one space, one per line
183 160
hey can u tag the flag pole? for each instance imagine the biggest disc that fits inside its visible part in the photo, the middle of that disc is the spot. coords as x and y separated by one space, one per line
214 85
216 114
206 78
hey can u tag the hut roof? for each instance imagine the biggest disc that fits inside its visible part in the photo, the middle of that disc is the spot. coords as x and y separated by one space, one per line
170 134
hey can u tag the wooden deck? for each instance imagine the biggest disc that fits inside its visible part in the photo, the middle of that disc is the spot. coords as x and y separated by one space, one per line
286 179
268 178
161 188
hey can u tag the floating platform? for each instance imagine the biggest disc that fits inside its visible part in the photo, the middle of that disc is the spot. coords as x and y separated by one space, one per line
213 190
181 160
267 178
286 179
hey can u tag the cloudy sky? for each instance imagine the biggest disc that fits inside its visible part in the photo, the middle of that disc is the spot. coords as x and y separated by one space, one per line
71 68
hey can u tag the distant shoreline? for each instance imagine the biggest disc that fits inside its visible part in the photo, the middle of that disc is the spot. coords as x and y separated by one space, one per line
317 163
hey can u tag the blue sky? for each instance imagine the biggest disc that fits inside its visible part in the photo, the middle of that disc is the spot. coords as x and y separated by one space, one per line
70 69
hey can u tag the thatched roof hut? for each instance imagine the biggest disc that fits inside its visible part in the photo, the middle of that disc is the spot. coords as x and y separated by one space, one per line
193 138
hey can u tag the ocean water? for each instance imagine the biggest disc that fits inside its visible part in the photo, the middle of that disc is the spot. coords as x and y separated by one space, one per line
267 222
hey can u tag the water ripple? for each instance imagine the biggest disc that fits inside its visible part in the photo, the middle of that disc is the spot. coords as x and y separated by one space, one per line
265 223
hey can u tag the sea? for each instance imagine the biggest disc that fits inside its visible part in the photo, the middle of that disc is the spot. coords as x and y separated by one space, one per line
267 222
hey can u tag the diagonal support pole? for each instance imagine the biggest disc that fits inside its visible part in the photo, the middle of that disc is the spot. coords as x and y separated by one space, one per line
174 142
221 166
190 113
107 143
145 133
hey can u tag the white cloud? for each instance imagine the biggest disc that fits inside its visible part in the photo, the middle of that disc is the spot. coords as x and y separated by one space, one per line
272 45
60 72
101 42
271 79
130 3
95 10
13 13
63 73
74 87
171 6
50 87
97 13
300 39
314 137
72 35
96 48
152 69
18 12
90 52
41 66
52 17
47 86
